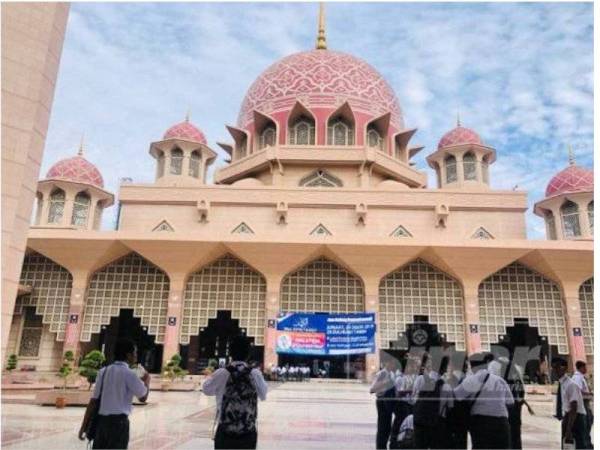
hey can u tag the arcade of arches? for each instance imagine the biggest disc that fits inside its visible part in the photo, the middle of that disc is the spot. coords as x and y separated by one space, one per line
131 296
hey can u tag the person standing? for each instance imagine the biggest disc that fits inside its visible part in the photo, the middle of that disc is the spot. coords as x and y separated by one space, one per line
236 388
383 388
579 379
491 396
457 425
115 388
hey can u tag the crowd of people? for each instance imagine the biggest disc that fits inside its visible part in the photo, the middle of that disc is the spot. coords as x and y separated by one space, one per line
288 373
424 404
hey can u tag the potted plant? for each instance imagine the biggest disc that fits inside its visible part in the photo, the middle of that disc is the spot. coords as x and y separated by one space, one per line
11 365
172 372
65 372
90 365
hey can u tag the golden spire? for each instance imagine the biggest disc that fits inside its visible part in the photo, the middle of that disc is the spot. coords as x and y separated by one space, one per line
321 42
80 151
571 155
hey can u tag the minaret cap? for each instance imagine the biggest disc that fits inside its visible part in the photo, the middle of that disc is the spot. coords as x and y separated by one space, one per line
321 42
571 155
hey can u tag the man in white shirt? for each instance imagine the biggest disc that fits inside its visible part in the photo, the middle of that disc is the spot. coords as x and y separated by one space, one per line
579 379
236 415
489 426
569 405
116 385
383 388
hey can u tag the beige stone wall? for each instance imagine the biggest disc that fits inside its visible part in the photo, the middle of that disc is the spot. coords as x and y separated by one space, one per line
32 40
50 355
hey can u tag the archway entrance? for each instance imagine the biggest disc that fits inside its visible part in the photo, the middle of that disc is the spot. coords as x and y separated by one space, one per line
212 343
528 349
128 326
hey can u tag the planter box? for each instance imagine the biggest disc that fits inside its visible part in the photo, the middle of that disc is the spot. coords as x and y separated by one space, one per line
74 398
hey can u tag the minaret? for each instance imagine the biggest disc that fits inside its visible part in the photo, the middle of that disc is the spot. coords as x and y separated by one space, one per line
321 42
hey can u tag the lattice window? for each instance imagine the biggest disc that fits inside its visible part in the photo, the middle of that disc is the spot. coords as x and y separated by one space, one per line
470 166
340 132
482 233
226 284
450 163
176 161
570 219
267 137
57 206
320 230
81 209
550 225
374 138
400 231
128 283
194 169
242 228
586 302
302 132
322 286
419 289
31 334
590 209
518 292
51 291
320 178
163 226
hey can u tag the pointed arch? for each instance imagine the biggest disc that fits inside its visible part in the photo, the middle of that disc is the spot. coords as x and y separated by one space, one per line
57 205
418 288
400 231
302 126
322 286
569 212
176 165
586 303
320 178
81 209
482 233
516 291
164 225
265 130
320 230
470 166
242 228
130 282
450 165
225 284
341 126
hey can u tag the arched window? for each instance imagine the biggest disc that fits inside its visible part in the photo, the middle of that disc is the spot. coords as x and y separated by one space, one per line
374 138
485 170
591 216
470 166
570 218
267 137
176 161
194 170
160 168
302 132
57 206
81 208
450 163
550 225
340 132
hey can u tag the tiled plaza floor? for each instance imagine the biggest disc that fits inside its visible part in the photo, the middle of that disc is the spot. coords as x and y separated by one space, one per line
295 415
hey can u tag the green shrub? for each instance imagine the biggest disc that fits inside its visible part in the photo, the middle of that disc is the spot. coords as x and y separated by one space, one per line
11 364
90 366
173 369
66 370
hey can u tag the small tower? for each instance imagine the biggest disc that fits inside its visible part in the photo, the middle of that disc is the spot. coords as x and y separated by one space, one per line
568 207
462 160
183 156
72 195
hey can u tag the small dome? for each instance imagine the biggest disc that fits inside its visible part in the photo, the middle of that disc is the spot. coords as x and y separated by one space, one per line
185 130
76 169
571 179
459 135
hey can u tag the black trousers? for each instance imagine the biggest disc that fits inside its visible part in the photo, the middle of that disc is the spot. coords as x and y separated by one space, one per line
401 410
432 437
579 431
490 432
112 432
589 419
223 441
514 420
385 409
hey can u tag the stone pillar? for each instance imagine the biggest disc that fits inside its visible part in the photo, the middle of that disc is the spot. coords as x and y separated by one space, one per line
573 321
68 211
472 322
271 311
75 317
460 171
372 360
174 317
478 170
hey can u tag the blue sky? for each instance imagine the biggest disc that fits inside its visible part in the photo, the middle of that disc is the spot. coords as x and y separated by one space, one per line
520 74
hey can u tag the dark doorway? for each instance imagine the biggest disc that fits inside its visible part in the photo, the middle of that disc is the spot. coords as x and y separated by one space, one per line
128 326
212 343
328 366
524 338
419 336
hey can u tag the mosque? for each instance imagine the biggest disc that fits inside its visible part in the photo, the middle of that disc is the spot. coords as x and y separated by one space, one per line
319 209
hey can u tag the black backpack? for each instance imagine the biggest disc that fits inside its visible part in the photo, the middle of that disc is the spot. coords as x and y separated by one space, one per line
427 407
239 404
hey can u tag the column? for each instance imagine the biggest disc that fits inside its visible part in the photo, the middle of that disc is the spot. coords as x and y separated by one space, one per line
584 221
372 360
174 316
573 322
442 169
75 316
271 311
68 211
472 331
478 168
460 170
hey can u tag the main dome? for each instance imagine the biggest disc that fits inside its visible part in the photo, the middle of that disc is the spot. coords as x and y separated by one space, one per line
76 169
321 79
569 180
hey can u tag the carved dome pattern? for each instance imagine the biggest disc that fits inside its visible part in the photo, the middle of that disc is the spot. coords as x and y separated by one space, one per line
185 130
320 78
76 169
572 179
459 135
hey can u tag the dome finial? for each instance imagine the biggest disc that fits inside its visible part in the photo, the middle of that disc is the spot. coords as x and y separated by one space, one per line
571 155
80 151
458 118
187 115
321 42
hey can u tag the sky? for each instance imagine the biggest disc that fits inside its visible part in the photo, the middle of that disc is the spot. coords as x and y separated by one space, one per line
521 75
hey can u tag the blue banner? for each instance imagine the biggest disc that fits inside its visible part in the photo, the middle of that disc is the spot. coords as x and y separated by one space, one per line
326 334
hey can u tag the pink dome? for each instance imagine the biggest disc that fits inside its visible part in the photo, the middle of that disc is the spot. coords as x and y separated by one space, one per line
185 130
320 79
571 179
459 135
77 169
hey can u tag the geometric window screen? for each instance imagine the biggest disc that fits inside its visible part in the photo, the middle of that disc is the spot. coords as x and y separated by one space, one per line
226 284
51 291
31 333
586 301
420 289
518 292
322 286
130 282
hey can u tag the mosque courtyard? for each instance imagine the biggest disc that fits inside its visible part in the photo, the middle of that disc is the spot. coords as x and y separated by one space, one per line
310 415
